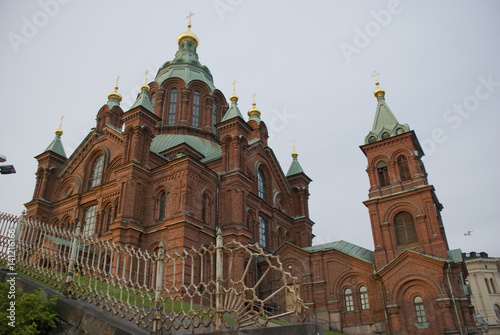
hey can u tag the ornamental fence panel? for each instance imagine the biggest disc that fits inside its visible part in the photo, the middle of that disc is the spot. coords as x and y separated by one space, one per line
226 286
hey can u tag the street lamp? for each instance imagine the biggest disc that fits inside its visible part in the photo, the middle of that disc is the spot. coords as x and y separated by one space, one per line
6 169
482 323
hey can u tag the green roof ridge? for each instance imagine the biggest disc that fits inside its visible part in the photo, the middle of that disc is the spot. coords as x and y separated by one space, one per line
233 111
295 168
143 101
56 146
385 123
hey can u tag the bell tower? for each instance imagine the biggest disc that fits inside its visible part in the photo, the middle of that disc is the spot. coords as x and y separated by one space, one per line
403 207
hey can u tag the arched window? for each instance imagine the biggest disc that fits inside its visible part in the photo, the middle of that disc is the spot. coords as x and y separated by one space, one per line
89 218
497 310
161 205
153 98
383 175
349 302
172 106
404 170
405 228
493 287
214 115
261 184
109 219
96 172
363 297
263 232
487 285
205 213
196 109
419 309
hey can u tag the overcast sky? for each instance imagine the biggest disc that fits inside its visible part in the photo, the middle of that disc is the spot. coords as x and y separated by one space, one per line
310 65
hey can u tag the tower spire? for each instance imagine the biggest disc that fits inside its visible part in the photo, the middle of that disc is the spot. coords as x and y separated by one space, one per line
188 34
254 112
114 97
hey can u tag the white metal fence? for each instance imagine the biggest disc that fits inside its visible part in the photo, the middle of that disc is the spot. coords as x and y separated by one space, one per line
223 285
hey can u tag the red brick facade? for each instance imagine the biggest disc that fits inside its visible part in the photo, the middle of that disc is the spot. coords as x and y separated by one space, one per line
191 164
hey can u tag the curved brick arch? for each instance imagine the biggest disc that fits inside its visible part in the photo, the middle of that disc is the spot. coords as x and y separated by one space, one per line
400 206
412 281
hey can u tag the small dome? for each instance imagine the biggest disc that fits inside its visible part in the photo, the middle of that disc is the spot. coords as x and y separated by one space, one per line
188 35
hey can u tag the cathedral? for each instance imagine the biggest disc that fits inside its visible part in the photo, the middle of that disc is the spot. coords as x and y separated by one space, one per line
183 162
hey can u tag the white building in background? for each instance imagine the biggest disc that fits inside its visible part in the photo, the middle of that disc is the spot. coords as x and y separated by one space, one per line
484 283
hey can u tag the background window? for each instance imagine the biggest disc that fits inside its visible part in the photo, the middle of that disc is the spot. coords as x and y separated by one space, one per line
405 228
404 170
261 184
383 175
96 172
214 115
419 309
363 296
161 206
349 303
89 220
172 106
263 232
196 109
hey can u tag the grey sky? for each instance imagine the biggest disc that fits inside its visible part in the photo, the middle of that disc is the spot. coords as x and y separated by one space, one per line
309 62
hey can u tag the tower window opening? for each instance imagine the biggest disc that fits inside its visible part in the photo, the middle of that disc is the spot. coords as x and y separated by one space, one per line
487 285
405 228
383 174
196 109
172 106
419 309
96 172
404 170
214 115
493 287
349 302
161 205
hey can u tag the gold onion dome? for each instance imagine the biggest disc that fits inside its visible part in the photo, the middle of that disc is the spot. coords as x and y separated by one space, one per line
59 130
115 94
379 91
294 153
188 34
254 110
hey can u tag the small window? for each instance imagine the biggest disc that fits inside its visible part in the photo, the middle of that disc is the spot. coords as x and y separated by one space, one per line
383 175
96 172
349 302
261 184
419 309
263 241
372 139
204 209
214 115
497 310
404 227
88 228
363 296
109 219
404 170
172 106
493 287
385 135
153 98
161 205
196 109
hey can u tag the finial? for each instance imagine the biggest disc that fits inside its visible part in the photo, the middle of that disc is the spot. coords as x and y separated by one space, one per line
145 86
234 97
379 92
189 18
59 131
254 111
115 94
294 153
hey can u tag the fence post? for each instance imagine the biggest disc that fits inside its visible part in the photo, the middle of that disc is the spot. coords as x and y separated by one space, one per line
71 266
218 283
20 225
156 327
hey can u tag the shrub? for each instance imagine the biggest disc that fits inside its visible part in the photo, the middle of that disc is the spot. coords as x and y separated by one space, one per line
34 315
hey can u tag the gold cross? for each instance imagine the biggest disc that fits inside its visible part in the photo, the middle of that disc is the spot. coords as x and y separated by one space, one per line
116 87
146 80
234 87
62 117
189 17
253 97
375 75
